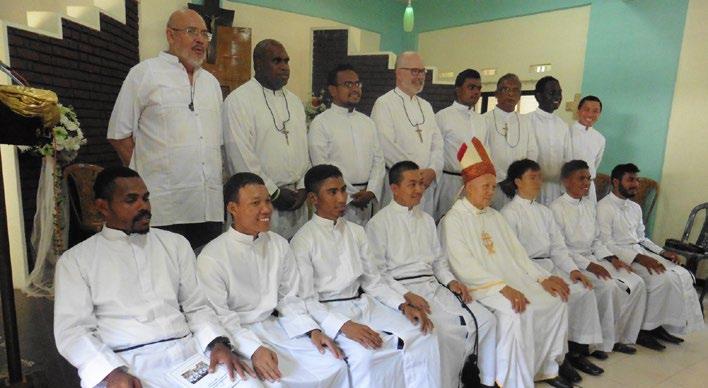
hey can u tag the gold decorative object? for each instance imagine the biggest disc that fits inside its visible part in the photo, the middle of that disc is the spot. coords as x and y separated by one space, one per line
31 102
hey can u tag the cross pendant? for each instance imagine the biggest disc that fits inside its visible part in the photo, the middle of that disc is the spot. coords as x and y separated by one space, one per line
287 139
505 129
420 133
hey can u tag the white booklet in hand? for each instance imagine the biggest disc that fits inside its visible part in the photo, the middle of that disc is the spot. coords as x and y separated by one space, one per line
194 373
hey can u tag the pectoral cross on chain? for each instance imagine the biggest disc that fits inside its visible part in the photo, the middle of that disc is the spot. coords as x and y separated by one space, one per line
286 132
488 242
505 129
420 133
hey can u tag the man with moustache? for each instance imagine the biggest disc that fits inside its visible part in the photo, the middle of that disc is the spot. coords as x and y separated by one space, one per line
588 143
166 125
348 139
265 133
407 127
128 307
672 302
552 137
510 137
458 123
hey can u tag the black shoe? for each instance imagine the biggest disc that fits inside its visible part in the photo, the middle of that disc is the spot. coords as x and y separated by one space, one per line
662 334
558 382
622 348
568 373
599 354
584 365
648 341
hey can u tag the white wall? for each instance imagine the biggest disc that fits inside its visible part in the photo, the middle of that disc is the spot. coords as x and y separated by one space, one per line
293 30
684 181
512 45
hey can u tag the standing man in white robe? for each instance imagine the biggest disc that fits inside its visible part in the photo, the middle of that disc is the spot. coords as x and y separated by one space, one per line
538 232
250 277
265 133
486 256
576 217
166 125
407 127
510 136
407 249
458 123
348 139
128 307
672 302
386 339
552 137
587 143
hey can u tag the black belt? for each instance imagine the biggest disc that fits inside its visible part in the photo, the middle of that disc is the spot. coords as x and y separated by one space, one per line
413 277
452 173
360 184
540 258
357 296
149 343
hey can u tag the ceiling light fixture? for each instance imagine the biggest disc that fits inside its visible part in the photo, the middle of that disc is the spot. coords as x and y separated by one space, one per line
408 18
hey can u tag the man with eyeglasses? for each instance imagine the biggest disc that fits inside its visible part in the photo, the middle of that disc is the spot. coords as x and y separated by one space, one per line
510 136
552 137
407 127
166 124
265 133
458 123
347 139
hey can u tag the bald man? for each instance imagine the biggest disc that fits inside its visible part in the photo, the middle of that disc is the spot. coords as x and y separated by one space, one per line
407 127
265 133
166 125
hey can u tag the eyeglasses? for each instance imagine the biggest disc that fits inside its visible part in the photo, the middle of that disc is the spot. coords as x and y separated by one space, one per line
415 72
351 84
194 32
506 90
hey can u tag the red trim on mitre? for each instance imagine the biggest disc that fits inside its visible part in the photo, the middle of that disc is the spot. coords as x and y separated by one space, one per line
461 151
480 150
477 170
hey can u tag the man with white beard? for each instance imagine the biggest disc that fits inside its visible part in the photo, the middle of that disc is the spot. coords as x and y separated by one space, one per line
407 127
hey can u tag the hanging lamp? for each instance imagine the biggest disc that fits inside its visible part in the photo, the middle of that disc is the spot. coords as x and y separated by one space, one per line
408 18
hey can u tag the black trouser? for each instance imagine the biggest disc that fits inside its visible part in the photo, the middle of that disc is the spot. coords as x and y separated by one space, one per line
197 234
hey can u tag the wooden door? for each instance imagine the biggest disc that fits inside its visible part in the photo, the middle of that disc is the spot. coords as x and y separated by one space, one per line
233 58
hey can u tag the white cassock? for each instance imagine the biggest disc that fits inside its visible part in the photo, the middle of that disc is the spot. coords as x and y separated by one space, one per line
407 250
589 145
408 131
510 138
540 236
116 291
458 125
486 256
246 281
334 264
177 149
255 141
622 318
672 301
349 141
554 149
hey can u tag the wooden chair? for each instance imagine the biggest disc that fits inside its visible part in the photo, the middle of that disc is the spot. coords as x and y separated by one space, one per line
85 217
646 195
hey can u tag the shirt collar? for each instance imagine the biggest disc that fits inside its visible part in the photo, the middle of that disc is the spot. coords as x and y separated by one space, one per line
403 94
543 114
327 223
577 125
398 208
173 60
119 235
523 201
469 206
462 107
617 200
341 110
245 238
504 115
570 199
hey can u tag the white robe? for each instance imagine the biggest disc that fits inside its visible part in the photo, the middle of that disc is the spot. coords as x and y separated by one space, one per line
349 140
519 143
115 291
671 299
246 281
334 263
406 245
538 232
252 143
622 318
458 124
393 114
589 145
554 149
530 345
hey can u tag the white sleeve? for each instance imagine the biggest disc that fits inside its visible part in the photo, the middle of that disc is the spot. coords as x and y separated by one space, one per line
128 107
385 126
605 215
378 168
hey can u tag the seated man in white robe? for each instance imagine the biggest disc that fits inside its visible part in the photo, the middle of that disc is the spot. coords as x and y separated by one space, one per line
348 139
407 249
486 256
575 215
672 302
385 339
538 232
128 308
250 278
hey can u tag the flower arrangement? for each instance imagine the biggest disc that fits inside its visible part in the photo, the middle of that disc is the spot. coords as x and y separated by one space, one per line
315 106
64 140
